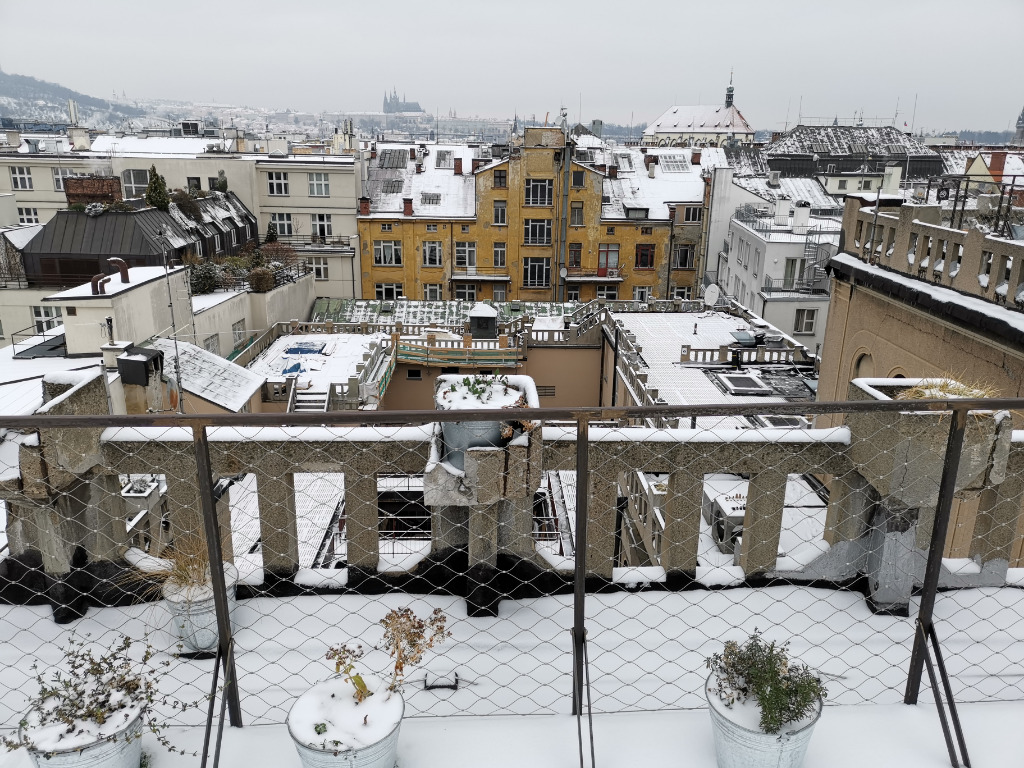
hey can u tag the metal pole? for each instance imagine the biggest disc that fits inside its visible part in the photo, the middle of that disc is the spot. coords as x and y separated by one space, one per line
947 487
580 554
220 595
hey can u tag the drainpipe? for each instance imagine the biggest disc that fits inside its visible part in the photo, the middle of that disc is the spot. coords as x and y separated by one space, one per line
563 225
615 365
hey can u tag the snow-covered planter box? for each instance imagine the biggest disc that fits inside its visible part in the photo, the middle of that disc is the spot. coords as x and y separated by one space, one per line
187 591
353 720
763 706
482 462
902 453
92 713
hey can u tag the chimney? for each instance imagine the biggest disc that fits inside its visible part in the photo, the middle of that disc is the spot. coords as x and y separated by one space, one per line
650 169
891 179
364 206
773 179
477 162
801 217
407 206
613 171
419 167
373 152
996 165
122 267
458 166
781 211
412 154
92 189
695 157
643 150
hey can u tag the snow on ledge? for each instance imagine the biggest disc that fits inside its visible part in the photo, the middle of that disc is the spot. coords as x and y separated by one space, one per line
833 435
270 434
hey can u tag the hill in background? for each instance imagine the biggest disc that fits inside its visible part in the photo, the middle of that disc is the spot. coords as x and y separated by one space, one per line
26 98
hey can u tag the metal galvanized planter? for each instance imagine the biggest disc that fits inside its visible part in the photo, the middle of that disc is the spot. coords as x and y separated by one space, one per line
739 747
459 436
382 754
125 751
195 621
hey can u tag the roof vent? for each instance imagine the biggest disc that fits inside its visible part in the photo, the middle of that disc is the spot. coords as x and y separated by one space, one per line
742 384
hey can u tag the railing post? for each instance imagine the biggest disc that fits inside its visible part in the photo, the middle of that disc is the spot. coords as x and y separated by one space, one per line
220 595
947 487
580 553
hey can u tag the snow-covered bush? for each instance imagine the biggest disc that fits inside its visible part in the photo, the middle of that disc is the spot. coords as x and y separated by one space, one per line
203 278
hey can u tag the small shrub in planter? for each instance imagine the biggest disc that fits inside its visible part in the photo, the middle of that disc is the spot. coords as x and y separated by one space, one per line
261 280
356 717
203 278
96 707
763 705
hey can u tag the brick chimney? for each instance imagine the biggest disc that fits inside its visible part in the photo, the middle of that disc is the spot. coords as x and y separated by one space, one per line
92 189
419 167
996 165
477 163
364 206
373 152
458 166
613 171
407 206
695 157
412 154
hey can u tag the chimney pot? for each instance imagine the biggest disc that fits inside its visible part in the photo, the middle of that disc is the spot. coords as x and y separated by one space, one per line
407 206
458 166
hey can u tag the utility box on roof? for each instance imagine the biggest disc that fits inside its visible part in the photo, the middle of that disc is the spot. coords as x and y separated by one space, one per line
138 364
483 322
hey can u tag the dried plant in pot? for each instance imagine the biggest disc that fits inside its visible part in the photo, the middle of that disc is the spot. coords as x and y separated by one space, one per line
181 576
93 710
763 705
353 718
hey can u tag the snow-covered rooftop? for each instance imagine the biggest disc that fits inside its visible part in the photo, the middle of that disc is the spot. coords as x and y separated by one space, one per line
204 301
157 145
436 192
316 360
791 187
136 276
847 140
441 313
700 118
20 235
677 179
210 376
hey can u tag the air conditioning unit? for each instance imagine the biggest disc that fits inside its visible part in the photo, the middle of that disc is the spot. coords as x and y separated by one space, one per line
613 273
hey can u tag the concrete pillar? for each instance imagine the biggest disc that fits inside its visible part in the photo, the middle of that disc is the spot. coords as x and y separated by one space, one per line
184 507
762 523
515 527
98 508
227 547
601 524
850 505
22 532
890 562
482 592
999 511
275 493
361 525
682 520
449 528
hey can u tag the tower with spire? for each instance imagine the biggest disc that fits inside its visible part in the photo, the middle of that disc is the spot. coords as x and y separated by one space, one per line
729 91
1018 138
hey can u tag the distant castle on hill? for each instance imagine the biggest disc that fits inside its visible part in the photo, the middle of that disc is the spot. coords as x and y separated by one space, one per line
393 104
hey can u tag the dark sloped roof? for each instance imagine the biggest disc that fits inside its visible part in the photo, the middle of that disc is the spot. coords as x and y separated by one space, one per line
110 234
847 140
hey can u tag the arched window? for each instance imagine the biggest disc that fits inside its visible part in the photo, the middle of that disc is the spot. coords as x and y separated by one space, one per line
864 367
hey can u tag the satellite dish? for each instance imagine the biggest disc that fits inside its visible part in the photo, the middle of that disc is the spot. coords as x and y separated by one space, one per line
711 295
563 272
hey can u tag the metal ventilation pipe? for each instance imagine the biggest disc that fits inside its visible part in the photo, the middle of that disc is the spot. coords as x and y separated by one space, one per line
122 267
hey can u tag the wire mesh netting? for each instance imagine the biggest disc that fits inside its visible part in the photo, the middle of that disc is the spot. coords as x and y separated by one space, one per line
681 537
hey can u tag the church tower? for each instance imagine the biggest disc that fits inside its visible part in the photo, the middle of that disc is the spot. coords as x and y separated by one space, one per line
1018 137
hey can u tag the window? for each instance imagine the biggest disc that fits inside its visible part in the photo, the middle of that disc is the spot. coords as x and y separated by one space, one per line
430 198
576 214
693 214
578 178
537 231
575 257
610 231
608 255
134 182
385 227
443 158
865 184
28 215
465 229
608 292
465 255
830 168
432 253
842 184
498 293
646 230
387 253
414 374
572 293
21 177
211 183
277 183
319 185
319 266
684 292
637 213
46 318
538 191
805 321
682 257
322 227
282 222
432 292
641 292
59 174
499 255
392 186
192 183
388 291
212 344
536 272
431 227
500 179
238 332
499 213
465 292
645 256
218 242
234 237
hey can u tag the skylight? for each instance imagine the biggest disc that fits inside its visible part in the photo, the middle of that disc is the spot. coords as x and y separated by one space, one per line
674 163
443 159
393 158
392 186
430 198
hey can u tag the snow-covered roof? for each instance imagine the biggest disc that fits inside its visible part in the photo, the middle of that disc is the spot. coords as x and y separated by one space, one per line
833 140
1013 165
676 180
136 276
20 235
316 360
21 379
793 188
436 192
955 160
700 118
483 310
206 300
210 376
157 145
438 313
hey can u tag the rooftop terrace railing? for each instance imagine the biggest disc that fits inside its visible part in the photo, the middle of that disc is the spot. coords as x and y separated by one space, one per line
837 539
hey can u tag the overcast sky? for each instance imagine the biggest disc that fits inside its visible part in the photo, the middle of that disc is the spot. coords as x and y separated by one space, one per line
624 61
